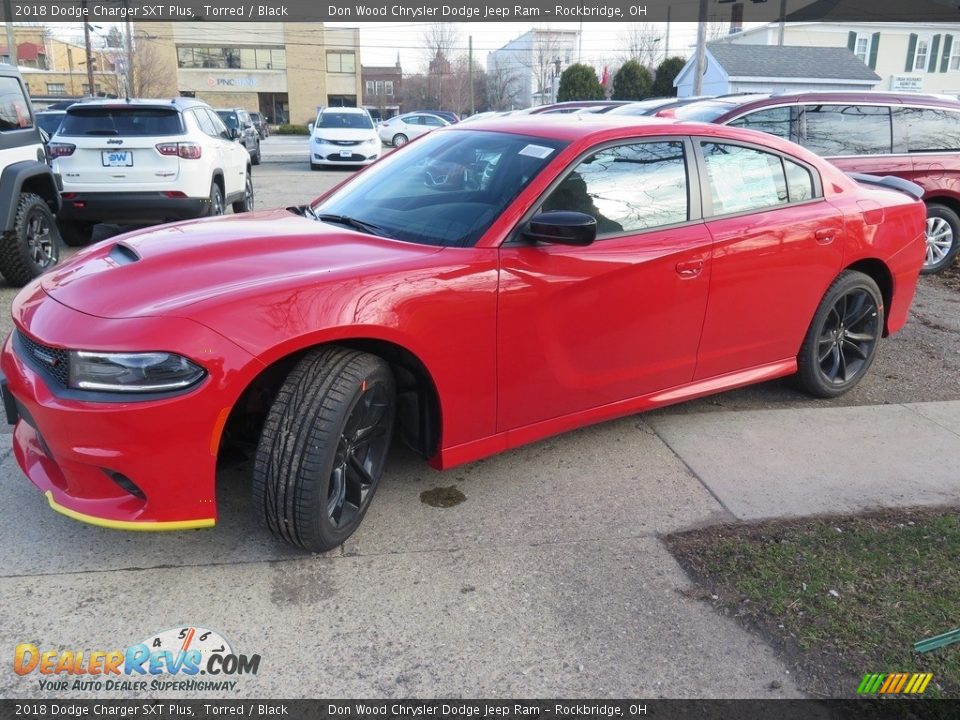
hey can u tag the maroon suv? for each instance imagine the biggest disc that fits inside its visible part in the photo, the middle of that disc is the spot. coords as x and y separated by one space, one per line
915 137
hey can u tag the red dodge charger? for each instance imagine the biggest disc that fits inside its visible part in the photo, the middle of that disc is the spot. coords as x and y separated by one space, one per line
486 286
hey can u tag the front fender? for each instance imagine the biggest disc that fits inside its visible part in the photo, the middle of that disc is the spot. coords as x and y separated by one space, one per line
37 176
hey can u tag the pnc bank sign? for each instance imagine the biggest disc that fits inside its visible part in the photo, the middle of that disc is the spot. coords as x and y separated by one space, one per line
231 82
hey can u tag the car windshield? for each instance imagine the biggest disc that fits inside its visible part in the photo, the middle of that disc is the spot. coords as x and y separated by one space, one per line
126 121
344 120
705 111
445 189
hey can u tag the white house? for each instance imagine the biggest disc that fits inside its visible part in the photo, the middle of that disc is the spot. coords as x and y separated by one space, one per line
739 68
908 57
536 59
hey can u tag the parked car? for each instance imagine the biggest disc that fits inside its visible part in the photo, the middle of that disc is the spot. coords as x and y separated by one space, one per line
561 108
146 161
912 136
29 197
450 117
260 123
49 120
343 136
399 130
490 285
241 128
651 106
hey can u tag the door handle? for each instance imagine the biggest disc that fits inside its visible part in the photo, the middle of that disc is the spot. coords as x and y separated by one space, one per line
689 268
825 235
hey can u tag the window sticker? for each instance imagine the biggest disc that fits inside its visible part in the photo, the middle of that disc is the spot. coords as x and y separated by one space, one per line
537 151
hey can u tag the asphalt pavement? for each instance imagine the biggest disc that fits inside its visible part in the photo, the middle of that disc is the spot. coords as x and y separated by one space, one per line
548 579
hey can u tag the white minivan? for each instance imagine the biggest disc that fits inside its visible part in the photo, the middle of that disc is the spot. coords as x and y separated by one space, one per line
343 136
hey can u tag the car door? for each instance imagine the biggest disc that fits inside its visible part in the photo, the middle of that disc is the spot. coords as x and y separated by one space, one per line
777 247
582 327
233 156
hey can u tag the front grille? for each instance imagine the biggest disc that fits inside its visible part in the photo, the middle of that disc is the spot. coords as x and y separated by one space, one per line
338 156
55 362
346 143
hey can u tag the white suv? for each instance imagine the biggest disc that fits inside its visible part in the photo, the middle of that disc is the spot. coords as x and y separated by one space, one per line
343 136
144 162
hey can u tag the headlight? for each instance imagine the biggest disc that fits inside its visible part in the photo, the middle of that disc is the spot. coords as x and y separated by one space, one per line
131 372
319 139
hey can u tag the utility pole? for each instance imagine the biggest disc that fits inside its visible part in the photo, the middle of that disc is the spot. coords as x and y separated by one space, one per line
701 64
86 43
11 40
783 19
129 28
666 40
470 67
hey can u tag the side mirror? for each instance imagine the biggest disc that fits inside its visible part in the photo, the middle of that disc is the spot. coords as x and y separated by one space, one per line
310 128
562 227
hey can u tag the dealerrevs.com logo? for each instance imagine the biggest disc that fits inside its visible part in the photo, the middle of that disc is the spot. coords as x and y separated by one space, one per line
185 658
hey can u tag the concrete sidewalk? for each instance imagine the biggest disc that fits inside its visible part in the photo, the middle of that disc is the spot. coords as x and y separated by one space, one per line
549 579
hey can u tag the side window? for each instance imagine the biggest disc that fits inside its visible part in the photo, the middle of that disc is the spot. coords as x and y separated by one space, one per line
799 182
203 121
219 129
930 129
14 108
413 120
432 121
742 179
627 188
831 130
775 121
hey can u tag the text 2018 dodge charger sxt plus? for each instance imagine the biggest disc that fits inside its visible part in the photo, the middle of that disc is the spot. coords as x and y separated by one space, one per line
489 285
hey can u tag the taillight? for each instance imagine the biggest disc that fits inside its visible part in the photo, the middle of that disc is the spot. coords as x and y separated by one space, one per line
60 149
185 150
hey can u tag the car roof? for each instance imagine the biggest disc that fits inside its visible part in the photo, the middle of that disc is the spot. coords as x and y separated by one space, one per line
178 103
349 110
748 102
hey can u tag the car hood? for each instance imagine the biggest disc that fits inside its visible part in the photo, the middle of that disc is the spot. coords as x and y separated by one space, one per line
160 271
344 133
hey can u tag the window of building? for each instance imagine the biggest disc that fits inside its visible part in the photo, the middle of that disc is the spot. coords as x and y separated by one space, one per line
370 87
832 130
743 179
341 61
56 89
861 48
922 54
14 108
86 89
232 58
955 54
388 87
627 188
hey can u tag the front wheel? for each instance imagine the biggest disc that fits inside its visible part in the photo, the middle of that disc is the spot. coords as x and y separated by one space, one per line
32 246
943 238
842 341
323 447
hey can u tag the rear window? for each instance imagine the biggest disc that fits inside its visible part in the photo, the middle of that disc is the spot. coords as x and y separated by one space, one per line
931 129
344 120
706 111
125 121
833 130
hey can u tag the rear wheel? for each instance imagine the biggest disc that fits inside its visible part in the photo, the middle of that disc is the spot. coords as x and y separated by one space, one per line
75 234
217 206
842 341
399 140
943 238
32 246
245 205
323 447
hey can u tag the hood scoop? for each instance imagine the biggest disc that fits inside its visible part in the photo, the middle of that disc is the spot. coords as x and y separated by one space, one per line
123 254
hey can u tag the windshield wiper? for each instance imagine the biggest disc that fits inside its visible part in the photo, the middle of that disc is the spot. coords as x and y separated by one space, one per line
351 222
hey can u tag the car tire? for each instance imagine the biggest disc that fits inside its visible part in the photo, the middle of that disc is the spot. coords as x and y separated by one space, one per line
75 234
323 447
842 340
399 140
246 204
943 238
255 156
217 204
316 166
32 245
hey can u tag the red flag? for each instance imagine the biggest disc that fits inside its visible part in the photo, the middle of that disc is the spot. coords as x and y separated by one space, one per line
606 77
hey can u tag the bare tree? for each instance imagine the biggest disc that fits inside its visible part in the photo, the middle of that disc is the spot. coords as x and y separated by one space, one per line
503 86
545 62
439 40
642 42
150 76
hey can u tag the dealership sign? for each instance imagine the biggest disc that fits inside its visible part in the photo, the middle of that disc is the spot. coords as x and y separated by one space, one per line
906 83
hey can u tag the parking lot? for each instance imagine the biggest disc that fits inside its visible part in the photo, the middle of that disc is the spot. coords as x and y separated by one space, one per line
547 579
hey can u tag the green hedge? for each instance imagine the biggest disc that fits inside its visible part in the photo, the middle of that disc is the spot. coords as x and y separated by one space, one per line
292 130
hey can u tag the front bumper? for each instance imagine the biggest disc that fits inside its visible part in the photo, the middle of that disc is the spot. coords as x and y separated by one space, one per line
326 154
127 463
139 207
